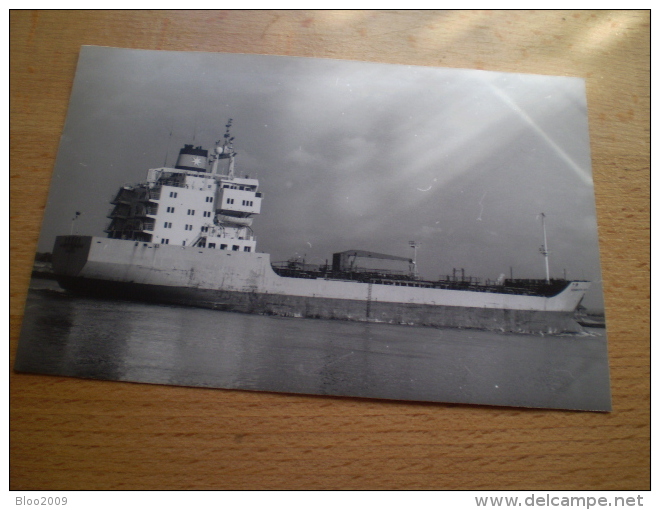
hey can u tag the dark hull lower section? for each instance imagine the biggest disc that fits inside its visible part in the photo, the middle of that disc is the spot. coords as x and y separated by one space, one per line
519 321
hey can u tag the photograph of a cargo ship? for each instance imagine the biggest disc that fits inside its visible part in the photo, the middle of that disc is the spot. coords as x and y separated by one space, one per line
318 226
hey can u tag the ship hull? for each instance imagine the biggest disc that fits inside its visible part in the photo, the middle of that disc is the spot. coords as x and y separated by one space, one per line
245 282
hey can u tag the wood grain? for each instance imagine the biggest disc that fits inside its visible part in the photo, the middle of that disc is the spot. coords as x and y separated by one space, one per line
77 434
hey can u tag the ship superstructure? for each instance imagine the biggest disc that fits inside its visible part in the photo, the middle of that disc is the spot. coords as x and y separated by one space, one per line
184 236
200 202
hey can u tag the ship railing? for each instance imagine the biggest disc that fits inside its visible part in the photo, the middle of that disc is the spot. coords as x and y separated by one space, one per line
224 235
142 210
126 233
129 235
295 265
138 225
471 287
302 265
531 281
173 183
466 280
147 194
300 269
537 286
125 195
117 214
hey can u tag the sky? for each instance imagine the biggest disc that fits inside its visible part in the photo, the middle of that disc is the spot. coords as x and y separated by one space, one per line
349 155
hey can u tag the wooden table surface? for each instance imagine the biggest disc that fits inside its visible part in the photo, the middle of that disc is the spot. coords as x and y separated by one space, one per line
76 434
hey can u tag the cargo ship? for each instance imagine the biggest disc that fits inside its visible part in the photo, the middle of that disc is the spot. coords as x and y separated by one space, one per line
184 236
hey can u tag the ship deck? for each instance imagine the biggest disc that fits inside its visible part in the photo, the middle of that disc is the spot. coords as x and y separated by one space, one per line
521 287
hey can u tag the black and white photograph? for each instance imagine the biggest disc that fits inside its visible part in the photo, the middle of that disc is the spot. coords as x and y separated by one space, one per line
322 227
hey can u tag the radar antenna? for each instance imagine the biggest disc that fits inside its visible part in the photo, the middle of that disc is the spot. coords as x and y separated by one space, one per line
225 150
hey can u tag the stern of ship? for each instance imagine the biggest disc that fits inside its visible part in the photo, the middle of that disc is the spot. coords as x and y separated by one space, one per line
70 255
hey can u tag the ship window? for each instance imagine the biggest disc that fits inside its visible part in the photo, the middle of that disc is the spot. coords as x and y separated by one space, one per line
211 245
235 247
223 246
247 248
225 186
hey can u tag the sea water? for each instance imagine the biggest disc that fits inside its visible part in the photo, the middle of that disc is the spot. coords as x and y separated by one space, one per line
68 335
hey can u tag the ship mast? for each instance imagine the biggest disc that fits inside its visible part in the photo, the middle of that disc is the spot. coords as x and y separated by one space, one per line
544 250
224 150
